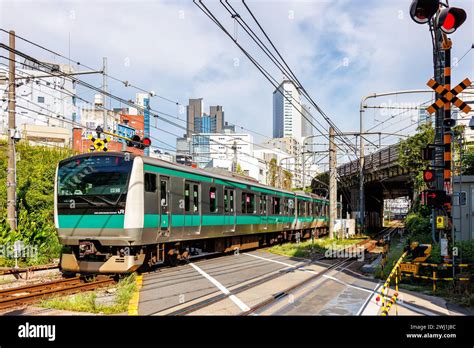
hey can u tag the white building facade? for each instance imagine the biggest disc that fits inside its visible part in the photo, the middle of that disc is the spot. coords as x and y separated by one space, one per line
45 105
287 110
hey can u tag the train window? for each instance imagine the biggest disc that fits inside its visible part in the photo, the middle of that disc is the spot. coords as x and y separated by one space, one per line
150 182
187 196
231 201
164 193
263 204
195 198
250 203
276 205
226 201
291 206
212 200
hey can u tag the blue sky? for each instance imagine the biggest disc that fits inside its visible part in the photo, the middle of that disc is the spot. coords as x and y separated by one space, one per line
340 50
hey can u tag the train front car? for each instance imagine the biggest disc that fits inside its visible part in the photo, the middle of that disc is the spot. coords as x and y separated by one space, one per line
98 205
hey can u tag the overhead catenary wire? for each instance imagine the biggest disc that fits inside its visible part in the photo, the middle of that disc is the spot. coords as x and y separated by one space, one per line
268 76
130 103
306 94
125 82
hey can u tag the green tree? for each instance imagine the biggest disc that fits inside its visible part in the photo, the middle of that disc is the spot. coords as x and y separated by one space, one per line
410 151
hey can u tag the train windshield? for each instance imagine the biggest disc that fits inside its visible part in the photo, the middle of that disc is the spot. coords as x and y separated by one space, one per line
94 176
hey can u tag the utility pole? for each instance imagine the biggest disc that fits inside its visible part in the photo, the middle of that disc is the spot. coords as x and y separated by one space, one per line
332 183
303 164
234 159
104 88
11 169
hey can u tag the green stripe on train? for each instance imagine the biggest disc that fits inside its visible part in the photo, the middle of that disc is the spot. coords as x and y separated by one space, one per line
90 221
153 220
171 172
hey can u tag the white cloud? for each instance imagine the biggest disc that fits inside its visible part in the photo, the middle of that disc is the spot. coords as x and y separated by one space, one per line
340 50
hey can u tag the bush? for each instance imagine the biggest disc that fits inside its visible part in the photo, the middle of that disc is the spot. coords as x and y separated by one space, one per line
418 228
36 167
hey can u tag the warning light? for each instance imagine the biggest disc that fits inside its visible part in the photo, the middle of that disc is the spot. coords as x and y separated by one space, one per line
146 142
421 11
428 175
450 19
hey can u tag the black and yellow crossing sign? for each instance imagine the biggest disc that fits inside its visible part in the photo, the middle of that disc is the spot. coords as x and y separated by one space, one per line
448 96
98 144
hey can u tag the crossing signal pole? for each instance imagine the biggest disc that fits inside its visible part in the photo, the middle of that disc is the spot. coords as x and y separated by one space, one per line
442 20
11 169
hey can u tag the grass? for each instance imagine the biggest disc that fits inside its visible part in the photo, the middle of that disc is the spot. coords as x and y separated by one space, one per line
85 302
309 248
396 250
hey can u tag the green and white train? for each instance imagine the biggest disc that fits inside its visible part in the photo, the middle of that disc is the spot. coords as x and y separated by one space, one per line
116 212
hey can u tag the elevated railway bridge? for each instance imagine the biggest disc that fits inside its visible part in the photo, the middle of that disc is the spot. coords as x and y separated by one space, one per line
384 178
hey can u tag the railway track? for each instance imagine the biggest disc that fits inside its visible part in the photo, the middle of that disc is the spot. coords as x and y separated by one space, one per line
388 231
367 244
28 294
28 270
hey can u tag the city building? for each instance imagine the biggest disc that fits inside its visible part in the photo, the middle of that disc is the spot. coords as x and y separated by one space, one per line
207 148
45 105
463 119
424 117
289 145
307 129
200 122
162 155
287 112
117 120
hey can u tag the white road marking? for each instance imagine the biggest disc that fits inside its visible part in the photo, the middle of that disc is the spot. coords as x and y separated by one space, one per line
222 288
309 271
281 263
369 298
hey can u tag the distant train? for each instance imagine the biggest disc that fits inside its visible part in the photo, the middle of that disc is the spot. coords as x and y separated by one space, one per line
116 212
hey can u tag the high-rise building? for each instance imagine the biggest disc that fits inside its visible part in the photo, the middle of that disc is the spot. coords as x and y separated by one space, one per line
307 130
200 122
287 110
216 115
194 111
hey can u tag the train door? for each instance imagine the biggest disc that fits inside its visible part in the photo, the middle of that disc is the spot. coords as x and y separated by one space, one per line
264 211
165 214
196 220
287 212
229 209
151 207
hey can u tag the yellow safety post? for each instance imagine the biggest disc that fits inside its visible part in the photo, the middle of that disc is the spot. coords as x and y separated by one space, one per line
434 280
386 285
392 300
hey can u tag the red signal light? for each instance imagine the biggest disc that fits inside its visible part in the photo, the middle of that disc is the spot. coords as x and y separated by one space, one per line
146 142
450 19
428 176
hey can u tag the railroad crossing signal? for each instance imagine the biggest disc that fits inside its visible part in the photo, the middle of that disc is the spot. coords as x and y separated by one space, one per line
436 198
428 175
98 144
448 96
